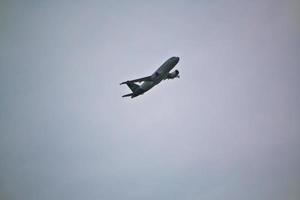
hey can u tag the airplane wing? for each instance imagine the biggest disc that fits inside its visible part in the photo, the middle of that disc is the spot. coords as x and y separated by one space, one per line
147 78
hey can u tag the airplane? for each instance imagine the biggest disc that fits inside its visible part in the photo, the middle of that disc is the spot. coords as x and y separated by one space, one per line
162 73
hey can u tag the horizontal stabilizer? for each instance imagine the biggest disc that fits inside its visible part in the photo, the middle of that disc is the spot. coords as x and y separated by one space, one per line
128 95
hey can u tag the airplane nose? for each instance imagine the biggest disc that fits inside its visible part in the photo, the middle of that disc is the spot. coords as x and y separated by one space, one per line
176 59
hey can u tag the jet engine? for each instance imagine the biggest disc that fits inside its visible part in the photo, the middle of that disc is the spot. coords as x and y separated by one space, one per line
174 74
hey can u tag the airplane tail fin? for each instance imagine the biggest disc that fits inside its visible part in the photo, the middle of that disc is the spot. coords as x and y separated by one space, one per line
134 87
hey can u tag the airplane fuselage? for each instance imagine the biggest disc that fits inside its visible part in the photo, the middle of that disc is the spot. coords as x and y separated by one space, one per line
160 74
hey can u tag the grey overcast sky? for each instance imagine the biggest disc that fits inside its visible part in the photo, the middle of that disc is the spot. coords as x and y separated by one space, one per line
229 128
